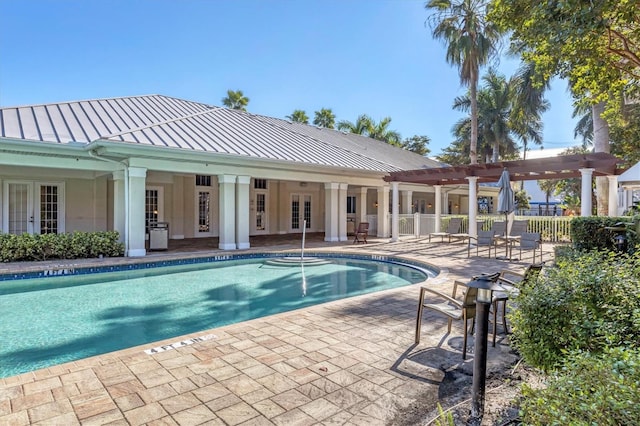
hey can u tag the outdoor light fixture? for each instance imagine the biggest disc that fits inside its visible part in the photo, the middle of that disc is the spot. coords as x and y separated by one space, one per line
485 284
619 242
375 204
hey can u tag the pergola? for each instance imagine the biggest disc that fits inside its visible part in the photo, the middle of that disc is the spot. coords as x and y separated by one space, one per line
561 167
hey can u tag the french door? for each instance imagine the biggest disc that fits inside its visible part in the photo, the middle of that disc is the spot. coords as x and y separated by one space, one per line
300 211
204 212
33 207
260 216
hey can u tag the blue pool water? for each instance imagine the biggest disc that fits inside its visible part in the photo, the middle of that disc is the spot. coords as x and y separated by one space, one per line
49 321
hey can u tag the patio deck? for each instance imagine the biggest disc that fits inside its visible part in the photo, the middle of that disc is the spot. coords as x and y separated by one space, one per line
352 361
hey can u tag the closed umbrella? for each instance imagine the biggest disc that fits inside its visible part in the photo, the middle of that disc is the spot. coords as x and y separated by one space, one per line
506 201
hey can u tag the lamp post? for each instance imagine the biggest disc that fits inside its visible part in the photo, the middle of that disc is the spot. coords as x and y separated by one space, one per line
485 285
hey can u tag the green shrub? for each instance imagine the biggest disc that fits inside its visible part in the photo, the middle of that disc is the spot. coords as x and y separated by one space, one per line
589 302
591 389
27 247
589 233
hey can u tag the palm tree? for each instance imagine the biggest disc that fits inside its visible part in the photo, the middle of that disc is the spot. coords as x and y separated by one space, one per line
325 118
381 132
298 116
235 99
471 40
360 127
548 186
584 125
528 105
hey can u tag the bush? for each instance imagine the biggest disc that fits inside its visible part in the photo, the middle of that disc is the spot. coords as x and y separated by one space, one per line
27 247
589 302
592 389
588 233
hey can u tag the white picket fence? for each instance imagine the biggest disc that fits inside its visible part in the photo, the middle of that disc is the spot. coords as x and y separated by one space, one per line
551 228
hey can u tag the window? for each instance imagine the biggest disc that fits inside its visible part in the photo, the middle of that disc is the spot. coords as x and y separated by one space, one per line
351 204
49 209
151 205
203 180
260 184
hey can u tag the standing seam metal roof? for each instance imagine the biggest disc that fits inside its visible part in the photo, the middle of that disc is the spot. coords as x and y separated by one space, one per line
170 122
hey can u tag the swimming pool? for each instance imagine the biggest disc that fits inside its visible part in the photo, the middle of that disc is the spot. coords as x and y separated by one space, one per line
49 321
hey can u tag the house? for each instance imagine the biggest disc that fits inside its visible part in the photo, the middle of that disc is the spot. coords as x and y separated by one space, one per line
128 163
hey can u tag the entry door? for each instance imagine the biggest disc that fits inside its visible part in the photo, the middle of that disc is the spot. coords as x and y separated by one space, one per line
33 208
300 211
260 218
204 212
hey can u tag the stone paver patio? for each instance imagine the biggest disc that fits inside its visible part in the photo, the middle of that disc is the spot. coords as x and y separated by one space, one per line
352 361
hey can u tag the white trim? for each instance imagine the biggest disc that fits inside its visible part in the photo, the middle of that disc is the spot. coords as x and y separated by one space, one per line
137 253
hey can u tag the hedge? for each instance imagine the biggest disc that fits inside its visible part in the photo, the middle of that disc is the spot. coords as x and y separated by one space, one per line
77 245
589 233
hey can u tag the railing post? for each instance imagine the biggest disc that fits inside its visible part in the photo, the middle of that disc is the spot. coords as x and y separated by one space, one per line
416 224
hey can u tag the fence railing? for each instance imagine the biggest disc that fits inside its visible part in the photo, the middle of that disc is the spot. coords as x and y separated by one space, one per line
551 228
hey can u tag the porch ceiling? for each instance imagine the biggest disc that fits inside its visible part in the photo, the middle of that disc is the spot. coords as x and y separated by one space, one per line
560 167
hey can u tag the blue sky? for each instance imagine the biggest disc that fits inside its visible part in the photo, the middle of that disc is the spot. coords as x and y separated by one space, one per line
353 56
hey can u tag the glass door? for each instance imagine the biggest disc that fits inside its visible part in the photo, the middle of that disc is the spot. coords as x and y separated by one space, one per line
204 212
300 211
19 212
260 213
33 208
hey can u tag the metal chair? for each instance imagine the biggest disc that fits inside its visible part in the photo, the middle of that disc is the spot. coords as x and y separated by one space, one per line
452 308
453 228
485 238
531 241
361 233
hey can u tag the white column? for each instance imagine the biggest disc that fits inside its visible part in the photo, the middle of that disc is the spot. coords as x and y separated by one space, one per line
473 206
227 208
119 204
177 208
342 211
242 212
438 207
395 217
331 211
613 195
383 211
406 198
136 213
363 205
586 192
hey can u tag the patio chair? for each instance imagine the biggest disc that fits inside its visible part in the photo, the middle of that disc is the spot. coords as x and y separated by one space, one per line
519 227
453 229
452 308
485 238
361 233
512 287
498 228
531 241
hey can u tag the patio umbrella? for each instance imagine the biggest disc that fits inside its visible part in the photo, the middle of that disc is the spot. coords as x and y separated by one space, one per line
506 201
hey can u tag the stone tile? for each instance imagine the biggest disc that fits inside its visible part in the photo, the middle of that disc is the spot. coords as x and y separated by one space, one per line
241 385
180 402
78 376
257 395
32 400
344 398
237 413
120 378
65 391
41 385
89 385
290 399
277 383
5 407
155 377
202 380
258 371
211 392
223 402
125 388
376 376
164 421
207 365
180 361
197 415
224 373
369 390
110 417
325 385
15 419
67 419
145 414
93 407
343 378
49 410
183 385
343 361
257 421
129 402
282 368
338 419
320 409
303 375
294 418
311 391
268 408
157 393
11 392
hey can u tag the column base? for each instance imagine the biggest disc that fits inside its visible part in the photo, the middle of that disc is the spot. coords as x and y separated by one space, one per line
331 239
227 246
137 253
243 246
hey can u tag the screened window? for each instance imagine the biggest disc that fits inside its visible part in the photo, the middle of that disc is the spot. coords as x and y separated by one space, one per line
351 204
49 209
260 184
202 180
151 205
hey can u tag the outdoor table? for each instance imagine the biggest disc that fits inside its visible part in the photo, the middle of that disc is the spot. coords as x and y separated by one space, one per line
509 241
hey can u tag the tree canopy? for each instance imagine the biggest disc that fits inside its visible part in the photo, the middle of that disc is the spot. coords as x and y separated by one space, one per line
298 116
235 99
325 118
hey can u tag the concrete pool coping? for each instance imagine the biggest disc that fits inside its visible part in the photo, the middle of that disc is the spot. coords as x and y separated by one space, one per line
351 361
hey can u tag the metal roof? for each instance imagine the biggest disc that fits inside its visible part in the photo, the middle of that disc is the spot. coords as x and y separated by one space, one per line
169 122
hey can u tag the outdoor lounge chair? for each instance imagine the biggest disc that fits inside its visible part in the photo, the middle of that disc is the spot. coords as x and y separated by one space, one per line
512 287
361 233
453 230
519 227
531 241
485 238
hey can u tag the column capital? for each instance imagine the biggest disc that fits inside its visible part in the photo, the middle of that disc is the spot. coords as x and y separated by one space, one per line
226 178
244 180
395 185
140 172
612 178
471 179
118 175
331 185
344 186
586 171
